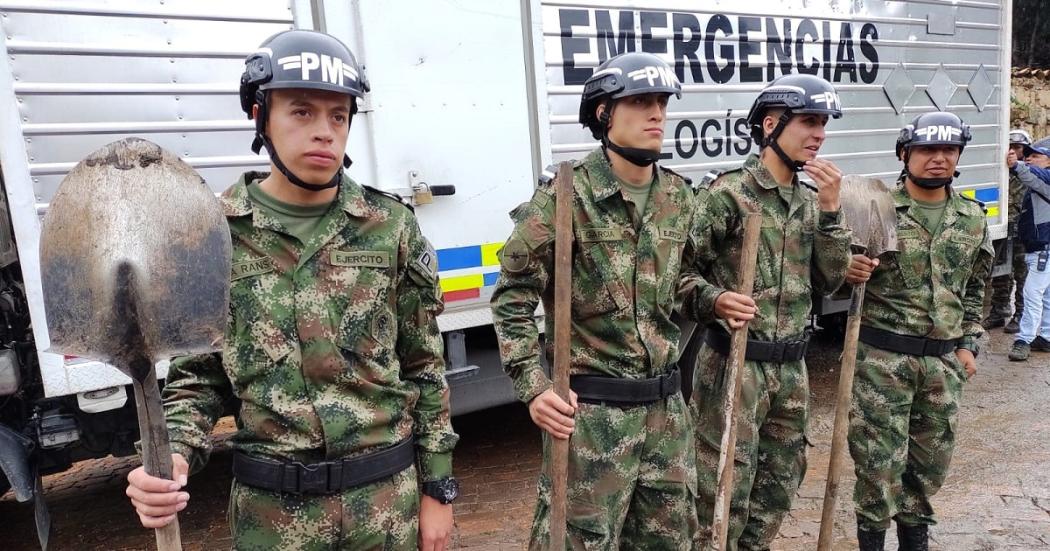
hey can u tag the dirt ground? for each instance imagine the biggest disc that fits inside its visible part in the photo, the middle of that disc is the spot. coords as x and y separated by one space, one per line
996 497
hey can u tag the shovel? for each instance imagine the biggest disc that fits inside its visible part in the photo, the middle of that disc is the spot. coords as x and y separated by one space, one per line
135 260
562 328
867 206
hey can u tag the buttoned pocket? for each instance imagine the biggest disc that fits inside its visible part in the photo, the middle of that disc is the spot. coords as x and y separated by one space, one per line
593 292
957 255
256 340
913 258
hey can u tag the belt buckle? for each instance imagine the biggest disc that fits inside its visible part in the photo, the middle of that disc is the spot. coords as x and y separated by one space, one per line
313 479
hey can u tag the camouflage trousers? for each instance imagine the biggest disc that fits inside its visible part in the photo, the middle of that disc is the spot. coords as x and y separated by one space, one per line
382 515
1001 287
901 433
631 480
770 446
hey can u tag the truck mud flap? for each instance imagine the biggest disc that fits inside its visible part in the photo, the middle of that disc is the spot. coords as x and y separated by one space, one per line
21 473
14 460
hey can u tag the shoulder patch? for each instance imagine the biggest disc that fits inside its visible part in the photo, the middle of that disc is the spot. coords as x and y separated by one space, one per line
426 261
515 255
405 202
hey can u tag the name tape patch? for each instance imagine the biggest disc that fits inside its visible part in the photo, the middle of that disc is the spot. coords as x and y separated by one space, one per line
672 234
591 235
251 267
362 259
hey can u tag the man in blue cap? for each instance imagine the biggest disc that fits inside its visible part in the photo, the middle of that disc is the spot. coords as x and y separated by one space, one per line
1034 233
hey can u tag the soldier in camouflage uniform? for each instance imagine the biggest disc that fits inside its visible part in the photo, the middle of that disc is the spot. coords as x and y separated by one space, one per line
921 322
804 247
631 477
332 348
999 314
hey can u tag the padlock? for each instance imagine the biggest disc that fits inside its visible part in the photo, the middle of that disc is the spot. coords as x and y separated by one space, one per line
421 195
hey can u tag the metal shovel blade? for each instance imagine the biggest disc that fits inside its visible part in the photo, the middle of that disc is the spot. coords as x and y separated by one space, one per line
877 233
135 259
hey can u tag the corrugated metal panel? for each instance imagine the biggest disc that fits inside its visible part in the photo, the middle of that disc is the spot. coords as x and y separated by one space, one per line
169 75
937 51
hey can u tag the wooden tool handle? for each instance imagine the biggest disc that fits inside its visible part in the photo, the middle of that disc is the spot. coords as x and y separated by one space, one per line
156 448
842 407
734 379
562 327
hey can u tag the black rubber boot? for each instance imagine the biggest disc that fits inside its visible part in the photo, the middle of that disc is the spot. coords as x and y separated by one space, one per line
871 541
913 538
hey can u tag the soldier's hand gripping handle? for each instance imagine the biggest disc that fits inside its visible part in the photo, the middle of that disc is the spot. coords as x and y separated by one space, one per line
735 308
158 500
860 269
553 414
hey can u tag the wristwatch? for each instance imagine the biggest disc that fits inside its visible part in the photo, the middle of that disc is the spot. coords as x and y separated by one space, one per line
445 490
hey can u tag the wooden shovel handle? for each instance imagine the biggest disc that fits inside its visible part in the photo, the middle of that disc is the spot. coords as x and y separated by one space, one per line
734 379
156 448
562 327
842 407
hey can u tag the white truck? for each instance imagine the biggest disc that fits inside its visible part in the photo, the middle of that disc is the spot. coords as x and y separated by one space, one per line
475 94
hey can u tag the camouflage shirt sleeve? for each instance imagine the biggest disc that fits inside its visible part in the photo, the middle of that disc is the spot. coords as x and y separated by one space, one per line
526 261
717 217
194 393
973 298
419 349
831 252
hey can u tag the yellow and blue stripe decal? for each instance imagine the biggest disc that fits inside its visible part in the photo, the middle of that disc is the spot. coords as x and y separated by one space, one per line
462 287
988 196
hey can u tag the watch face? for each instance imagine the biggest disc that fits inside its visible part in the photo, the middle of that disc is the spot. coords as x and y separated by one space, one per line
449 490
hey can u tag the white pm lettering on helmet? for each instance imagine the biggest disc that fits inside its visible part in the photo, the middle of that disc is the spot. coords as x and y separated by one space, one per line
939 132
650 73
333 70
830 99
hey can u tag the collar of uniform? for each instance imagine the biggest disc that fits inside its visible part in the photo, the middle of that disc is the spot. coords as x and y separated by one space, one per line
901 199
602 183
351 198
761 174
236 203
234 200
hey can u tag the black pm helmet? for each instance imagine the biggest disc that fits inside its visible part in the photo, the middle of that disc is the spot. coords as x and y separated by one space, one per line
797 94
936 128
628 74
298 59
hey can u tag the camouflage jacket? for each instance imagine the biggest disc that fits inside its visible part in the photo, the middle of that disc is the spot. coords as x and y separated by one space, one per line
623 281
1017 192
800 250
934 285
331 348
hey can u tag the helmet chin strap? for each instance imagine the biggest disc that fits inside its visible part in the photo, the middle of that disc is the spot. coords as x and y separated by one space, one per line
771 141
927 183
634 155
262 139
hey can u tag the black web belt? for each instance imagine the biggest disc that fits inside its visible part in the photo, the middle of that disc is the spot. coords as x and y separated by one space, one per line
617 391
904 344
758 351
329 477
